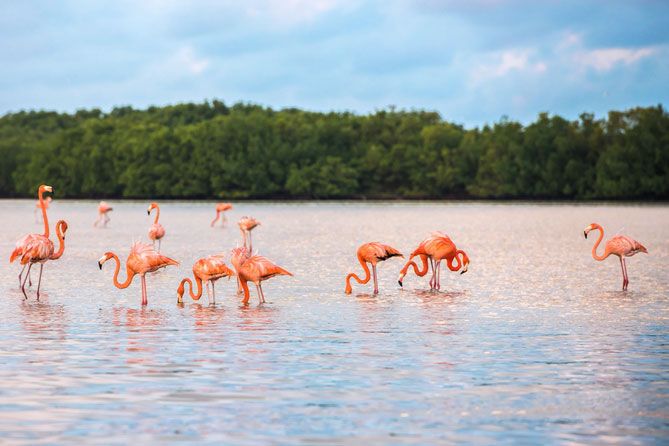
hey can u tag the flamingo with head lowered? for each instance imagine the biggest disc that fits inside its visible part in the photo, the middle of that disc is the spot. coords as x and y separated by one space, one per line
142 259
255 269
208 269
156 231
220 212
103 210
373 253
620 245
37 248
437 247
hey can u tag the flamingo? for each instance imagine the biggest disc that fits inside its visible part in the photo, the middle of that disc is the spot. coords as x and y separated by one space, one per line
103 209
620 245
373 253
254 269
156 231
221 208
207 269
38 206
437 247
37 248
246 225
141 260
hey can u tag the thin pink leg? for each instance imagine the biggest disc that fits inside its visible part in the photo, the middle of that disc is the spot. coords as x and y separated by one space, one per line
622 268
39 282
213 292
259 294
145 301
262 294
21 274
376 283
438 274
25 279
627 279
433 279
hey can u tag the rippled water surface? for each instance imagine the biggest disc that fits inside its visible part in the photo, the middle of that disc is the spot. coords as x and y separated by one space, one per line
535 344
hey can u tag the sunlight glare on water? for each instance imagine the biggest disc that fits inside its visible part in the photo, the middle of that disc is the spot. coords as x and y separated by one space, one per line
535 344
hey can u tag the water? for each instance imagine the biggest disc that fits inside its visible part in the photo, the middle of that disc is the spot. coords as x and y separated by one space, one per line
535 344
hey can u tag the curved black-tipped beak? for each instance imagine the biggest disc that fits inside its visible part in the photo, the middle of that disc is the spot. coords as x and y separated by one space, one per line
400 282
100 265
462 272
585 234
148 212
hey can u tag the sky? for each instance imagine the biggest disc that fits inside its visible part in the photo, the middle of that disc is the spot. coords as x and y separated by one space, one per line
473 61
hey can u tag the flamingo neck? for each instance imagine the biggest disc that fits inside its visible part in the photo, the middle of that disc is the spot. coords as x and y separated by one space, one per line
157 215
245 287
599 240
129 274
198 281
61 243
411 263
43 205
456 257
362 281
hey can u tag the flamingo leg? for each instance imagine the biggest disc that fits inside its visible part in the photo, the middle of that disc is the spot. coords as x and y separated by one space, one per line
432 279
262 294
376 283
206 284
437 272
23 287
106 220
39 282
259 294
626 277
21 274
213 292
145 301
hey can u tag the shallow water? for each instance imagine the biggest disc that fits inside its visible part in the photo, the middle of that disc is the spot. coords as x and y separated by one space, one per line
535 344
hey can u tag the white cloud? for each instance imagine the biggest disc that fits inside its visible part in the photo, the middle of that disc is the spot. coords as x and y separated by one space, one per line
604 59
505 62
185 59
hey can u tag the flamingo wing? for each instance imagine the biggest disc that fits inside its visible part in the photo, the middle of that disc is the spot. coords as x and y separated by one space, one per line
37 249
261 268
380 251
625 246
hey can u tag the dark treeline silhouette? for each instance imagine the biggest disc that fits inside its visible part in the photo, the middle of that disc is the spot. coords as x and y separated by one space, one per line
248 151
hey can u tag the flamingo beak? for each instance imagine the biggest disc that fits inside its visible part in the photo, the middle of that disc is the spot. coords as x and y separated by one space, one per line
100 264
148 212
585 234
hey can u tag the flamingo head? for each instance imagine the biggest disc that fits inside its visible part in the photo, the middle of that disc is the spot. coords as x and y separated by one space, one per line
589 228
180 292
465 262
400 279
63 227
45 188
104 258
152 206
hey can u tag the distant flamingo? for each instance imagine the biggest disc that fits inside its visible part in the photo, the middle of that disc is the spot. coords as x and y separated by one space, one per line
437 247
37 248
254 269
620 245
141 260
246 225
103 209
207 269
373 253
220 209
38 207
156 231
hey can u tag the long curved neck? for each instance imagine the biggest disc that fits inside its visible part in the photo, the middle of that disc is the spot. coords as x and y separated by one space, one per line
157 215
198 281
410 263
129 274
456 257
43 205
61 243
216 219
599 240
362 281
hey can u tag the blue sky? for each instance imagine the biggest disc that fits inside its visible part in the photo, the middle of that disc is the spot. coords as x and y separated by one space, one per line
473 61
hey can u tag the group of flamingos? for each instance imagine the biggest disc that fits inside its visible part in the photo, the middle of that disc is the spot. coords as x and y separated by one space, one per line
249 267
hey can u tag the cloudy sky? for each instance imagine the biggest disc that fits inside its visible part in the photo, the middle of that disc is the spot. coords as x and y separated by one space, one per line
472 60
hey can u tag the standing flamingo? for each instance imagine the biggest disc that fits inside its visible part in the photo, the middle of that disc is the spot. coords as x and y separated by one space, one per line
156 231
103 209
254 269
246 225
620 245
27 245
36 248
220 209
141 260
38 207
207 269
437 247
373 253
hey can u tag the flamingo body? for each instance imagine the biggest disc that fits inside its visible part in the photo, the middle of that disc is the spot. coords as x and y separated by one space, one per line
372 253
221 208
435 248
207 269
620 245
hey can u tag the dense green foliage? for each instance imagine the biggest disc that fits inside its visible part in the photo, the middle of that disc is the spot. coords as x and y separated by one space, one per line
212 150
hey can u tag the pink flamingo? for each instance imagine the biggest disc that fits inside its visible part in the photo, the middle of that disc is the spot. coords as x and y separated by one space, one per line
38 206
208 269
156 231
373 253
141 260
246 225
220 210
37 248
620 245
254 269
437 247
103 209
